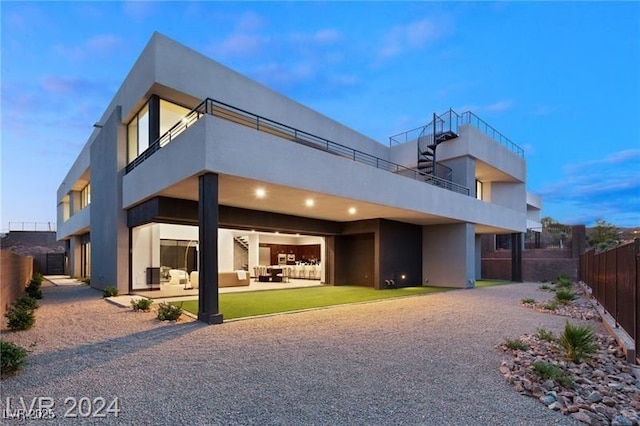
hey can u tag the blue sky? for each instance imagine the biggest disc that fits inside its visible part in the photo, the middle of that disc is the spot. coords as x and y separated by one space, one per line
562 80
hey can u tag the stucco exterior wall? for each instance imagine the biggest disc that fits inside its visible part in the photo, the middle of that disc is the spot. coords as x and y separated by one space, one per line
449 255
109 231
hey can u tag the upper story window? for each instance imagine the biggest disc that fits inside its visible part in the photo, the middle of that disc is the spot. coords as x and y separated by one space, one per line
138 134
153 120
170 115
85 196
479 194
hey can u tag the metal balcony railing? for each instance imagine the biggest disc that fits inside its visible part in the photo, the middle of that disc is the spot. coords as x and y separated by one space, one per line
239 116
452 120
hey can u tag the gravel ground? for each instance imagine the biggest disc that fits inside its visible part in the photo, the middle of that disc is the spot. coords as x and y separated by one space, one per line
420 360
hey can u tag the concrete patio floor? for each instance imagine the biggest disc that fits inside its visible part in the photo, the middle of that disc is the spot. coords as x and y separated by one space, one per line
421 360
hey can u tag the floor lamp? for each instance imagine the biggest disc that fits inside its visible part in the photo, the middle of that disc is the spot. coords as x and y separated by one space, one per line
187 283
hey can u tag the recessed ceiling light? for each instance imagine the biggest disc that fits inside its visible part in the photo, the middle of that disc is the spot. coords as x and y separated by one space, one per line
309 202
352 210
261 193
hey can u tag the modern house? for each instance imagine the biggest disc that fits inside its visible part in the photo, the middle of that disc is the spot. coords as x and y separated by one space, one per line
194 167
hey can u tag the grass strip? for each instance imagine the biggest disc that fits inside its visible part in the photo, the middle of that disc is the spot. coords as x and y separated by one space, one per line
491 283
248 304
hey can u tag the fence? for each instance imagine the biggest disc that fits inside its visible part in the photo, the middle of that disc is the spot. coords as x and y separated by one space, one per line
613 276
32 226
16 271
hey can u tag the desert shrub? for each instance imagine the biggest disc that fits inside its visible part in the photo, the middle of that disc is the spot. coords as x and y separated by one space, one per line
550 371
109 291
33 289
86 280
12 357
564 281
546 287
544 334
141 304
551 305
577 341
516 344
565 295
528 301
26 302
20 318
38 278
167 312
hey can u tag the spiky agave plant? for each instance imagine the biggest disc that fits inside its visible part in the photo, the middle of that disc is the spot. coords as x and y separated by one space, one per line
578 342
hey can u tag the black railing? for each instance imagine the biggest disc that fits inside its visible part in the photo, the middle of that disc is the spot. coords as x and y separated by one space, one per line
239 116
453 121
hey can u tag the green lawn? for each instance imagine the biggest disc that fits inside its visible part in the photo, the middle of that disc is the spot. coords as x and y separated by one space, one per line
491 283
247 304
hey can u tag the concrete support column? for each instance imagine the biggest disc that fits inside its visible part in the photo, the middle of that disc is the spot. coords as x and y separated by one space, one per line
516 257
448 255
208 304
75 256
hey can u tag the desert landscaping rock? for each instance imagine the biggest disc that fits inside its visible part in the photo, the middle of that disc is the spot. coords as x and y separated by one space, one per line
604 388
427 360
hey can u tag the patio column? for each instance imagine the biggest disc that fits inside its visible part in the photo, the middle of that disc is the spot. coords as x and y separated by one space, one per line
208 306
516 257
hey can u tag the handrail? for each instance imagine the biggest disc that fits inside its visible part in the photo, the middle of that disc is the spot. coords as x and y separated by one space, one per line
239 116
472 119
467 117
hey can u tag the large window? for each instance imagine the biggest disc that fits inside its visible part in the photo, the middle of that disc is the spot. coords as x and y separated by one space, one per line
170 115
85 255
85 196
138 134
139 129
179 254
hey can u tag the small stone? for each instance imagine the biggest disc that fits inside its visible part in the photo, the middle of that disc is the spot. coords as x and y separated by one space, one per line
621 421
594 396
549 384
547 399
504 369
572 408
615 386
555 406
607 400
581 416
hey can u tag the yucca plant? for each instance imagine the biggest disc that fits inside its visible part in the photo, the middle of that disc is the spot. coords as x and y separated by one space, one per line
516 344
563 281
578 342
550 371
544 334
565 295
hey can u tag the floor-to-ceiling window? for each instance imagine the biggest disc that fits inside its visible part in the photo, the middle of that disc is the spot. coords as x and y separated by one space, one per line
140 127
85 255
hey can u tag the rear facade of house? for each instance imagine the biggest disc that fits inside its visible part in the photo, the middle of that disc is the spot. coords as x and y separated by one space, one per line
196 168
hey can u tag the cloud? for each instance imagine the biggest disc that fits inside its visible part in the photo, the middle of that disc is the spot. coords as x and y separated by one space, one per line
240 45
624 156
606 188
250 21
101 45
137 10
498 106
412 36
54 85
